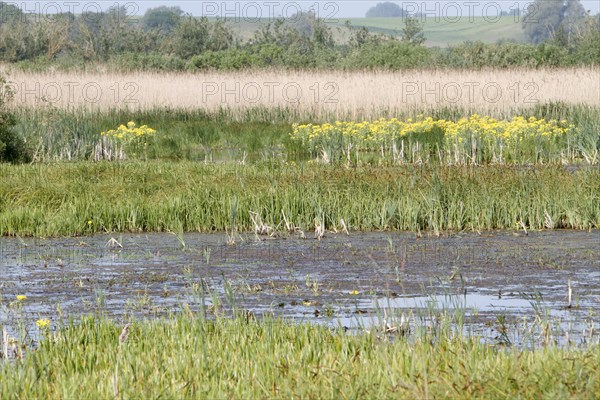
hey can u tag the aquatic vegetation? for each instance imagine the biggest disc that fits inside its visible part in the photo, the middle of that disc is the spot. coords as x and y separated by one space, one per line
430 168
261 133
59 199
473 140
129 132
129 138
191 357
43 323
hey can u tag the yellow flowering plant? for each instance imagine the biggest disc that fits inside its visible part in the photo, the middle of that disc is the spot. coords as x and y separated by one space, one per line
477 139
134 140
43 323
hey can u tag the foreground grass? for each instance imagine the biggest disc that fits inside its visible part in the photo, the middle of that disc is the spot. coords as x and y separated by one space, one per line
189 357
85 198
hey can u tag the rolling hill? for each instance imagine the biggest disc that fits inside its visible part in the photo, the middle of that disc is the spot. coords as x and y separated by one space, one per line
438 33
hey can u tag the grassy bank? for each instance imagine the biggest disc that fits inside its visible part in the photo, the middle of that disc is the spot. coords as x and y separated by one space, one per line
187 357
84 198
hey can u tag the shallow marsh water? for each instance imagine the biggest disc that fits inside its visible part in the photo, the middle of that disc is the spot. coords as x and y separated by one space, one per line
495 278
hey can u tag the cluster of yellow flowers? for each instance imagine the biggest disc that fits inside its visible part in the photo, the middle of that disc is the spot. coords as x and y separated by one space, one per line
129 132
43 323
382 131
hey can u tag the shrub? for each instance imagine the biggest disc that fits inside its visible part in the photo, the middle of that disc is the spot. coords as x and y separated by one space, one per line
390 54
230 59
503 55
12 146
153 61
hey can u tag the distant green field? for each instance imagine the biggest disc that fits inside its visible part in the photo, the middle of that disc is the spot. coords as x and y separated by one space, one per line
438 32
443 32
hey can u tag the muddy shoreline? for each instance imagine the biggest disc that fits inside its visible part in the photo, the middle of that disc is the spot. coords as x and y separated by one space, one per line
344 279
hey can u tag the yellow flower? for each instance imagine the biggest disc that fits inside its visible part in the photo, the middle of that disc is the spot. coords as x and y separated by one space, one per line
354 292
89 221
381 133
42 323
21 297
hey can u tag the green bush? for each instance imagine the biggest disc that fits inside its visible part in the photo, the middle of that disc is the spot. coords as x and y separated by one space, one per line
476 55
12 146
390 54
153 61
230 59
588 43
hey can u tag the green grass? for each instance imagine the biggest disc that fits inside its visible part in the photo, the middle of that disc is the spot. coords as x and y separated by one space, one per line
84 198
259 133
55 135
177 193
188 357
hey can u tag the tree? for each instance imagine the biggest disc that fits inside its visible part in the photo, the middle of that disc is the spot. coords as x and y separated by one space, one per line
573 16
546 18
588 41
100 35
119 33
386 10
301 29
25 39
413 32
221 37
309 26
9 12
162 18
191 37
358 37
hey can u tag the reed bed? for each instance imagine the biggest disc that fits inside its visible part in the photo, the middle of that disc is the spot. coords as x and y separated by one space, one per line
54 135
85 198
66 135
190 357
342 95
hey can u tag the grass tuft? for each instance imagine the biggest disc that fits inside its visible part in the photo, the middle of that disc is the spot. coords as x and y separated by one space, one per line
157 196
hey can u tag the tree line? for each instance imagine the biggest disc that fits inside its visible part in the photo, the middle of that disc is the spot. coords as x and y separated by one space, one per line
541 20
164 38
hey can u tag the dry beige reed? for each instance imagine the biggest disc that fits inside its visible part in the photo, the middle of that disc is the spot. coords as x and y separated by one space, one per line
348 94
